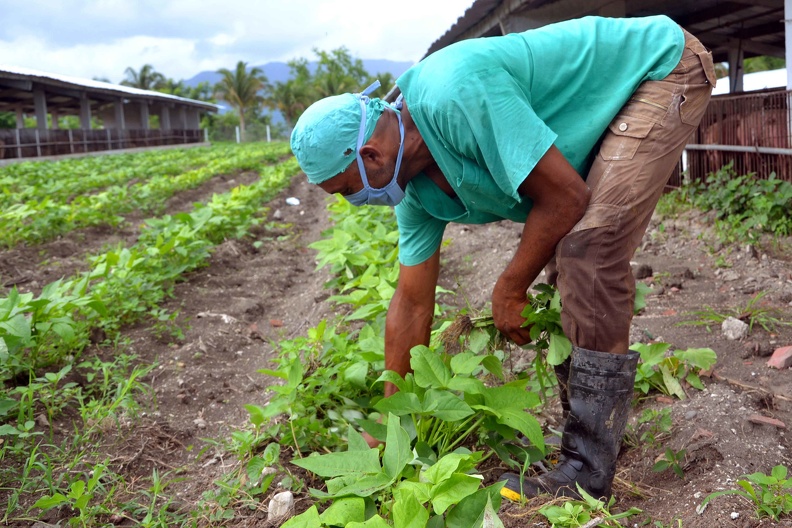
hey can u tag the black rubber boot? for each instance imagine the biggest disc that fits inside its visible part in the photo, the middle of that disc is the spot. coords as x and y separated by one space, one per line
600 392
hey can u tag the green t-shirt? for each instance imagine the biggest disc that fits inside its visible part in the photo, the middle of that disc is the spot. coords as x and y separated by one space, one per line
490 108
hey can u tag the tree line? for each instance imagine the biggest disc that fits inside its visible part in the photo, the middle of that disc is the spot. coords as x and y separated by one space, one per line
253 97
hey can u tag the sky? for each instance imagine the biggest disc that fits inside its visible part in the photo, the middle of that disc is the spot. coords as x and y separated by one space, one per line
180 38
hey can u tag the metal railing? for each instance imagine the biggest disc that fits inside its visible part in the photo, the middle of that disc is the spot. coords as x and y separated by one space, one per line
750 130
33 143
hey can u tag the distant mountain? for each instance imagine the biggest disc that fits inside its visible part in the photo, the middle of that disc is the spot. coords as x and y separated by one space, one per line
279 71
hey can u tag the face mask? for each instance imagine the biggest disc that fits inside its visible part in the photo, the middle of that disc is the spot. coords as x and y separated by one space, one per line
392 193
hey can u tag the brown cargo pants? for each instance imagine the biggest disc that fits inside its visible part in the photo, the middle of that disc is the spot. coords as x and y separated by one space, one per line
637 155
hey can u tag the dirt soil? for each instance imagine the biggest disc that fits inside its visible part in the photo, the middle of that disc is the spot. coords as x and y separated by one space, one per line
258 291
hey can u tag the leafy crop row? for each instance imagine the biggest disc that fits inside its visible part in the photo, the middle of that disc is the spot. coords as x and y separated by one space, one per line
124 284
34 180
43 219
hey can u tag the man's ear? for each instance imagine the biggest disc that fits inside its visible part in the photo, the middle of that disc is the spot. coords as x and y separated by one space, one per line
371 154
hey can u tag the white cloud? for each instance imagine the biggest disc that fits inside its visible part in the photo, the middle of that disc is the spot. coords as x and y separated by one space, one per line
182 37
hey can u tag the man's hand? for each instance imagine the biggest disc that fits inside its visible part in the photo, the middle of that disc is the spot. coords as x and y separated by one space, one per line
506 309
560 197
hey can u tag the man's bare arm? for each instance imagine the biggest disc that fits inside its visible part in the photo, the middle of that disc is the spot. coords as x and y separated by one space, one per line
560 197
409 319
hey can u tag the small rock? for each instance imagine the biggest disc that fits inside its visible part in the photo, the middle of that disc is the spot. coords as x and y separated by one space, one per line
782 358
676 289
280 505
734 515
291 200
664 399
690 415
42 421
277 215
730 276
734 329
766 420
200 423
276 323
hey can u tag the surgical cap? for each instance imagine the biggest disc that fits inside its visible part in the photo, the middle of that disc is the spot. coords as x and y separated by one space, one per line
325 137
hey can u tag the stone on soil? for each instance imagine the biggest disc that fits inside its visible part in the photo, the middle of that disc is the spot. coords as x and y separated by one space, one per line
781 358
734 329
280 505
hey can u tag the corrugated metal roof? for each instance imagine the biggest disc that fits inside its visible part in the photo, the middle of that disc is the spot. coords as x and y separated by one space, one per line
98 86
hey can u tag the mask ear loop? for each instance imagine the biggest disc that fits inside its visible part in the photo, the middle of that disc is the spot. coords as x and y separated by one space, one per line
363 99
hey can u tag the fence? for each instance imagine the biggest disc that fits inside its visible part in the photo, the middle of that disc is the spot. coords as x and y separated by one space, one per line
751 130
32 143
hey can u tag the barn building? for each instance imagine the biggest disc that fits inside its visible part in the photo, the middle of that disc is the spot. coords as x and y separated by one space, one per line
125 114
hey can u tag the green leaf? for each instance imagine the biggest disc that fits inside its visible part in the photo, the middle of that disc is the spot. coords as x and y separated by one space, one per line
7 405
392 377
374 522
429 370
338 464
651 354
466 385
45 503
451 490
446 406
364 487
478 340
779 472
509 397
560 349
526 424
465 363
470 511
493 366
256 414
344 511
408 512
356 440
397 448
356 374
307 519
400 404
444 468
672 384
702 358
254 468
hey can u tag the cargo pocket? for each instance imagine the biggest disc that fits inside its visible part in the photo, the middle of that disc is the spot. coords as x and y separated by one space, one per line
694 103
624 137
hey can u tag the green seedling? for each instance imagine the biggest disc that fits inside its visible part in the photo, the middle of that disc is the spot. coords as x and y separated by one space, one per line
771 494
653 427
674 460
657 370
583 513
753 313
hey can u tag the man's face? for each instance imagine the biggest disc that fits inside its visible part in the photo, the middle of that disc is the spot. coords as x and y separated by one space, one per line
350 182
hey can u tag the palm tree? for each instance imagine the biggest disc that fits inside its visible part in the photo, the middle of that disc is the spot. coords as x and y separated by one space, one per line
241 89
146 79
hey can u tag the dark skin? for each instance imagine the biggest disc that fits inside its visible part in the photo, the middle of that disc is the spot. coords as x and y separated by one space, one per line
560 197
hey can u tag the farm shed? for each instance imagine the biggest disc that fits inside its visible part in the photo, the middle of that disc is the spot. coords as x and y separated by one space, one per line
124 112
750 129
